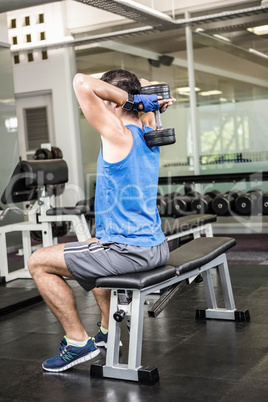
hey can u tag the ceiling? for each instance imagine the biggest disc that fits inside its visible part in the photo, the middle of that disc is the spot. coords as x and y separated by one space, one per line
229 22
9 5
167 36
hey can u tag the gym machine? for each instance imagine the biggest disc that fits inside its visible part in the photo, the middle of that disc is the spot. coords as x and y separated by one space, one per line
37 183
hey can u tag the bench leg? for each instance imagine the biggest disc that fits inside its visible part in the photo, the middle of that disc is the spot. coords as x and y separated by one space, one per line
3 256
208 231
229 312
226 285
132 371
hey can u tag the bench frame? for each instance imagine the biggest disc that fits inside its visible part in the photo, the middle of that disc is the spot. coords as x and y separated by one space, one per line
133 370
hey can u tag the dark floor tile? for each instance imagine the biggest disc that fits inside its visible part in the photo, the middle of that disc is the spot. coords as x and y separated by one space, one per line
214 361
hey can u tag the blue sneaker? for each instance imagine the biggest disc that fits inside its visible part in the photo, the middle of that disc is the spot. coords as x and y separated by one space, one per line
101 338
69 355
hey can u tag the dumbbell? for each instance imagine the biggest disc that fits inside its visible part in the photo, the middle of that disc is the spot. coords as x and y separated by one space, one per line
160 136
224 203
203 204
263 204
44 153
247 204
169 199
182 203
161 204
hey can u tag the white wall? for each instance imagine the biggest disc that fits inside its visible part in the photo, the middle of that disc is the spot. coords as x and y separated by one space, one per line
56 75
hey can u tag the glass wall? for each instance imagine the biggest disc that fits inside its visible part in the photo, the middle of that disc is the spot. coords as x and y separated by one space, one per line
231 87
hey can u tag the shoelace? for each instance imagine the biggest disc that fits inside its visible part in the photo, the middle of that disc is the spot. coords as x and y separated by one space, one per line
63 347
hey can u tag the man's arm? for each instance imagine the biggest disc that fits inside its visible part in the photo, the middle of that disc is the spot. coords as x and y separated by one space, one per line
91 94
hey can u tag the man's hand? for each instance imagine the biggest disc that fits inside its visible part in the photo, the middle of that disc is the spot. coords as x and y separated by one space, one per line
163 103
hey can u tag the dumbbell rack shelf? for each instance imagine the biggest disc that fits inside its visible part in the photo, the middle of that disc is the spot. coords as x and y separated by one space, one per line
214 178
226 224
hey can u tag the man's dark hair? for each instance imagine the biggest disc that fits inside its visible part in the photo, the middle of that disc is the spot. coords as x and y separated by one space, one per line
123 79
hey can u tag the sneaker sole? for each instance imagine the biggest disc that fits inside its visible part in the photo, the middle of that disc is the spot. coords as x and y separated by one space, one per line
102 344
82 359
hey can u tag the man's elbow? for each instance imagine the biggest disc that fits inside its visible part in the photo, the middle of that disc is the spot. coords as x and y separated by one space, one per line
78 80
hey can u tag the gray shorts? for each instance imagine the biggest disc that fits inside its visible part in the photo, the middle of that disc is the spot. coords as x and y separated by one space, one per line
87 261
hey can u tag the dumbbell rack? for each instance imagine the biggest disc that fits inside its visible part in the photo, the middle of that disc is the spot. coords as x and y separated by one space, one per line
226 224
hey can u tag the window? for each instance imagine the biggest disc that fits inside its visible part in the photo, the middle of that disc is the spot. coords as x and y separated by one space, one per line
13 23
36 127
27 20
30 57
41 18
16 59
28 38
14 40
44 55
42 35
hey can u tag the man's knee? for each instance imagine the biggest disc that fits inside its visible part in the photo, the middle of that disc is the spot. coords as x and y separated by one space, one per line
34 262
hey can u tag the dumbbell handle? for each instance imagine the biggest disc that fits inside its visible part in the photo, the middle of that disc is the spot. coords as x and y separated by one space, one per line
158 121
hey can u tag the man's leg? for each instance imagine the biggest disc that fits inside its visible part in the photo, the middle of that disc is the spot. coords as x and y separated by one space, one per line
47 267
102 297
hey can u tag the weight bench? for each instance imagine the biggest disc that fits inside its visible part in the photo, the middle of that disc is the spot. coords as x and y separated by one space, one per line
194 225
128 293
38 183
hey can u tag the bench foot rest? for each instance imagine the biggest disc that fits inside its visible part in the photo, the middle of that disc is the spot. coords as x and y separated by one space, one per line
144 375
222 314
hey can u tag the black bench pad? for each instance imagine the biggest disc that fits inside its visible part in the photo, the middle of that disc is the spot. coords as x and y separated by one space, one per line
199 252
78 210
192 255
138 280
178 225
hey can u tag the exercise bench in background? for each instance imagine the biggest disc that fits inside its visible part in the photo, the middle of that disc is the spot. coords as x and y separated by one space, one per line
38 183
198 256
194 225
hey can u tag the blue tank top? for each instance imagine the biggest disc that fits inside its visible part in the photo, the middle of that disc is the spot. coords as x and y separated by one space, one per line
125 198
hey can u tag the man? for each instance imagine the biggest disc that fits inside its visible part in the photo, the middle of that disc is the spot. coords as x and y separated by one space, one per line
128 229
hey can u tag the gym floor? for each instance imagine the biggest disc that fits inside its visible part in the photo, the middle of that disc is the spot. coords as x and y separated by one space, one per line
197 360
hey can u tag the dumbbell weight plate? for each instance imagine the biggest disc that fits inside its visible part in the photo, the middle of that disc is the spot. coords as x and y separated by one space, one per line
159 89
161 205
56 153
222 204
43 153
201 204
263 204
246 204
160 137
